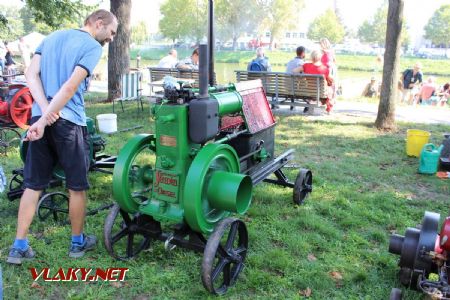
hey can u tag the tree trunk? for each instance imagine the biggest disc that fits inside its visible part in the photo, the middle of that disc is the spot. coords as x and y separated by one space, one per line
389 91
119 49
235 43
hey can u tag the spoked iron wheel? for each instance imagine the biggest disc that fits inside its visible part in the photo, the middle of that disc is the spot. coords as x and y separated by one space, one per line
20 107
224 255
16 182
124 234
302 186
54 205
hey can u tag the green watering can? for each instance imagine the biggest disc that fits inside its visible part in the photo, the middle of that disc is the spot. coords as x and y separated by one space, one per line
429 158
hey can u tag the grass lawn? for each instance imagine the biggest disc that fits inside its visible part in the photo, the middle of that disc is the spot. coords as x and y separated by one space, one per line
336 244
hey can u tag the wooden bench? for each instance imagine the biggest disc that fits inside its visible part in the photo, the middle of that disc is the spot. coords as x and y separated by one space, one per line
157 74
305 90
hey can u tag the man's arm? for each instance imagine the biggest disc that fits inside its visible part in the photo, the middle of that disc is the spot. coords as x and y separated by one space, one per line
65 93
298 69
35 84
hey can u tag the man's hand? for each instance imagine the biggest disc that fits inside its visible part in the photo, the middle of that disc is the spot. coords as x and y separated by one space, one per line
36 131
51 118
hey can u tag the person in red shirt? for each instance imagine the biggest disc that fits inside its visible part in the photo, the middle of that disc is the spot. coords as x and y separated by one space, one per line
427 90
317 67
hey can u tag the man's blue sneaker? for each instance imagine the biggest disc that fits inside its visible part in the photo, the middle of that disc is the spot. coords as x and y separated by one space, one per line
78 250
17 256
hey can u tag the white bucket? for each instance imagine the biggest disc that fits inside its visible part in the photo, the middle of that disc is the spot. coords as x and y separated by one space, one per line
107 123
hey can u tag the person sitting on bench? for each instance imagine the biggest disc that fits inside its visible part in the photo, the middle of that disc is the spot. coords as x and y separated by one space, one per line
260 63
190 63
317 67
295 64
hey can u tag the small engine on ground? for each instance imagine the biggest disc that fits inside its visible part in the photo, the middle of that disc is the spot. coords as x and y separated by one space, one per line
424 257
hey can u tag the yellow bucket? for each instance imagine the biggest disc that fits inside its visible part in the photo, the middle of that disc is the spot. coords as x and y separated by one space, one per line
415 140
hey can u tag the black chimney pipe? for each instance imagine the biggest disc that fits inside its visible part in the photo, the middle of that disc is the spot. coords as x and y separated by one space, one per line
203 70
211 41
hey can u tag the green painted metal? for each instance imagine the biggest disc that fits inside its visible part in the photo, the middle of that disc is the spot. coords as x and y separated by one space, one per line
174 154
23 147
199 213
229 102
132 179
190 183
229 191
90 125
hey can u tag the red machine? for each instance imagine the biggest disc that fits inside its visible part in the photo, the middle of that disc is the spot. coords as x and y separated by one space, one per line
424 252
15 104
15 111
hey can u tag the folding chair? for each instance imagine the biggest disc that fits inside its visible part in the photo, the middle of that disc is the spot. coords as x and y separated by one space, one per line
130 89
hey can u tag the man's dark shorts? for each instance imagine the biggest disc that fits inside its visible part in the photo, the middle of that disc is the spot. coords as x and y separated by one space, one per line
63 143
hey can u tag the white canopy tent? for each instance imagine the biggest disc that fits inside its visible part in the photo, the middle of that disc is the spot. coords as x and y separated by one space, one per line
32 40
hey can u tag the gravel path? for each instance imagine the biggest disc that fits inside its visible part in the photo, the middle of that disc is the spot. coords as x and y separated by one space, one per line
368 111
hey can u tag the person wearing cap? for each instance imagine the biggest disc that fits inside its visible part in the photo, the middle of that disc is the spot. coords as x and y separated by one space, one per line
411 79
372 89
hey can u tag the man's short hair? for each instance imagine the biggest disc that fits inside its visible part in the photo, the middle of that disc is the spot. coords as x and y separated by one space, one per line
260 51
195 51
300 50
101 14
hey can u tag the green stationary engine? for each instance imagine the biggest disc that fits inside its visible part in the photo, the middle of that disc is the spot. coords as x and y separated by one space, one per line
187 181
210 147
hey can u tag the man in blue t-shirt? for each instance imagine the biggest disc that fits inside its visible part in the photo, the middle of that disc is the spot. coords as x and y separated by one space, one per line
295 65
57 77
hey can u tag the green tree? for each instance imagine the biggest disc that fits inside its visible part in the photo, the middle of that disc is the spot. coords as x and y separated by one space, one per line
139 33
280 15
30 24
56 14
234 17
183 19
327 25
386 108
374 31
438 27
119 50
14 27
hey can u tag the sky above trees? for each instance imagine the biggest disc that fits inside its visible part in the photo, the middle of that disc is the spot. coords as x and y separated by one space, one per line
354 12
